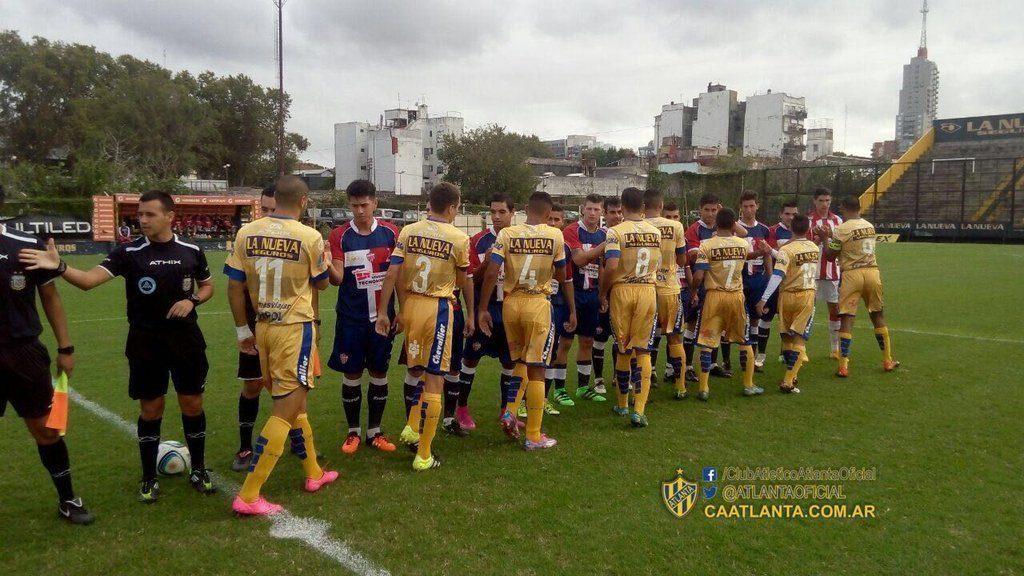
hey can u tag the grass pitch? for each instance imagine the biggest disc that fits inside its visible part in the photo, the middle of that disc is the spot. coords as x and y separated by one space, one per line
943 435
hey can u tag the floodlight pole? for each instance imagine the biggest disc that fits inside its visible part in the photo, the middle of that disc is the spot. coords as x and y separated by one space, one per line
280 88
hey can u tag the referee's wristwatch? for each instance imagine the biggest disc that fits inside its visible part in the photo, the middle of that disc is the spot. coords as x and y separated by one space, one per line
62 267
195 300
66 351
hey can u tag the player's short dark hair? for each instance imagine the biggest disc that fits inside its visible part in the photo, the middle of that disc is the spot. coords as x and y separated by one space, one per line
801 224
653 198
725 219
444 195
289 190
165 199
539 202
504 198
820 191
594 199
709 199
851 203
610 202
790 204
361 189
269 190
670 207
632 199
556 207
748 195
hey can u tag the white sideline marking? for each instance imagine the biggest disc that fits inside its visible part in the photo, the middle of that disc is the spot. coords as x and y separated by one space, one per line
824 326
125 318
285 525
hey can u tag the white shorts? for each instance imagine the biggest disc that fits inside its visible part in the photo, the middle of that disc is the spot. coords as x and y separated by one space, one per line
828 290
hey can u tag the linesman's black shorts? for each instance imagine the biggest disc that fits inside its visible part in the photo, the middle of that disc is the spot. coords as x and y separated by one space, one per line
155 355
249 366
25 379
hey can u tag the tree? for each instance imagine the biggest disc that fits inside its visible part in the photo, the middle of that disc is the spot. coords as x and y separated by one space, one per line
490 160
608 156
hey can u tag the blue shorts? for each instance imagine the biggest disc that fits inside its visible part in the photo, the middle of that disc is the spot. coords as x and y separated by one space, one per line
753 287
588 314
604 325
358 347
496 345
458 341
559 316
691 313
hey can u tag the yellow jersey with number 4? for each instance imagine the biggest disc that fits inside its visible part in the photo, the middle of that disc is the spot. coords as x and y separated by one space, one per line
857 239
529 252
637 245
430 252
722 260
673 243
277 257
799 261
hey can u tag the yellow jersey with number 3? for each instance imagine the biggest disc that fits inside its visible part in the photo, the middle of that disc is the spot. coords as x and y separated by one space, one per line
278 258
857 238
722 260
529 252
673 243
637 245
799 261
430 252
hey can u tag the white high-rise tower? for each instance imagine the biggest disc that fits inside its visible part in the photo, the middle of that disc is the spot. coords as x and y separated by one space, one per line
919 97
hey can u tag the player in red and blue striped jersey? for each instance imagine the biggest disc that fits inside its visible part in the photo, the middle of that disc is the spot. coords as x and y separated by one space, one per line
585 239
778 235
555 373
479 344
361 253
756 272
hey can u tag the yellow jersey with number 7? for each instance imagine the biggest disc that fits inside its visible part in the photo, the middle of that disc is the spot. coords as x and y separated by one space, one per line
857 238
430 252
277 257
799 261
637 245
529 253
722 259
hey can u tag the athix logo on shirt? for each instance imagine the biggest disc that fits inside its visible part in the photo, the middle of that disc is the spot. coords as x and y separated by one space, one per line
164 262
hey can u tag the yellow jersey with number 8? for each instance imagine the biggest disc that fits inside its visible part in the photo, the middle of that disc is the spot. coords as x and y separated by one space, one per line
637 245
277 258
530 253
857 237
430 252
722 260
799 261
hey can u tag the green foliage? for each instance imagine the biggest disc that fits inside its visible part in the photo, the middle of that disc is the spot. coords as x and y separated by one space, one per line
489 160
608 156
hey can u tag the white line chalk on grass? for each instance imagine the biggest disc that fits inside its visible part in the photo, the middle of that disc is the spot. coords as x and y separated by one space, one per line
822 324
285 525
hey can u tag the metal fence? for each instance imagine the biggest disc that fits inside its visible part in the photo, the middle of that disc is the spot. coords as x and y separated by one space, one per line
963 198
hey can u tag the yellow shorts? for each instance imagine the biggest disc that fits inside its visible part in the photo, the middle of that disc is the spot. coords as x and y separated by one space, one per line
670 313
428 333
723 317
860 284
528 328
796 313
633 309
288 356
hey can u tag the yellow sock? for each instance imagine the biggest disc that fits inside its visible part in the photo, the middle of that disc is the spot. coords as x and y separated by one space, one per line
519 372
622 372
534 409
430 406
309 464
267 450
677 351
747 351
640 398
882 335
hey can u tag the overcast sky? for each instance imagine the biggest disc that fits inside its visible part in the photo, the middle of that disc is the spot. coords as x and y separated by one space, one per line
554 68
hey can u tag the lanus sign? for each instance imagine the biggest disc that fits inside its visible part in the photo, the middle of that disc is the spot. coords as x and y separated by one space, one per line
980 127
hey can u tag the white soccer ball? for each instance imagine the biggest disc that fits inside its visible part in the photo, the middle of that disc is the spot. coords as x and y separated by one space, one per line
172 458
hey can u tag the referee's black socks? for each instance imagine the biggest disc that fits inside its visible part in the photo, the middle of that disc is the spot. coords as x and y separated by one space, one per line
248 410
149 444
55 459
195 438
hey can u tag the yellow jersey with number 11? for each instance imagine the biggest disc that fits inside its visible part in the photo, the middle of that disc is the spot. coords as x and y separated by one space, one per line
430 252
637 245
857 238
799 261
722 260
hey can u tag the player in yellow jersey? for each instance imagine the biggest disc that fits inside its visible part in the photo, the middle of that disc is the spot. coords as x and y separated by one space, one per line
667 287
853 243
280 262
632 257
428 264
795 276
532 254
723 317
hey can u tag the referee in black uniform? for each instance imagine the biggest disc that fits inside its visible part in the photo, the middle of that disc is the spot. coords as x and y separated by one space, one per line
165 279
25 364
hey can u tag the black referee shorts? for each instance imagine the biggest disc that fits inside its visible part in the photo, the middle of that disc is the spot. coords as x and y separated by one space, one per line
249 366
154 356
25 379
